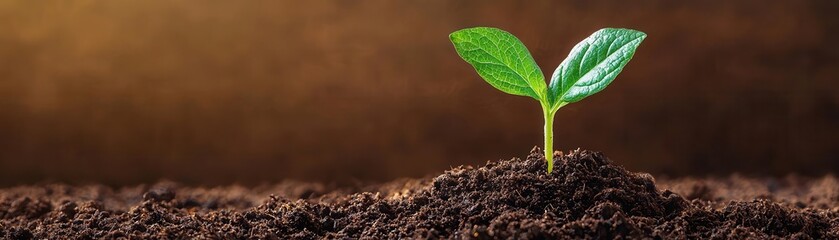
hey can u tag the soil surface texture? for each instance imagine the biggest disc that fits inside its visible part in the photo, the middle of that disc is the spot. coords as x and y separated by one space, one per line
586 197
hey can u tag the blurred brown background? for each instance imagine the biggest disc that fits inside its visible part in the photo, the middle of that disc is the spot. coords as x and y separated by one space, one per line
216 92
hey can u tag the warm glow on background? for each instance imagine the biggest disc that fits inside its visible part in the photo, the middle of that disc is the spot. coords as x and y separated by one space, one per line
123 92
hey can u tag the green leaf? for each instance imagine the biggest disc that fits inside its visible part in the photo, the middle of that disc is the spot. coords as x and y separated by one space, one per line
593 64
501 60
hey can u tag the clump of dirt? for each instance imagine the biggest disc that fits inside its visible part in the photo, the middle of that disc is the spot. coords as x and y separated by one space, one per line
793 190
586 197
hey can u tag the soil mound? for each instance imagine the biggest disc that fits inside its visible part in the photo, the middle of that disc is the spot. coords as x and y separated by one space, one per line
585 197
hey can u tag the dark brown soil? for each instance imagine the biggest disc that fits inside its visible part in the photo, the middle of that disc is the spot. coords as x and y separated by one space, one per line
586 197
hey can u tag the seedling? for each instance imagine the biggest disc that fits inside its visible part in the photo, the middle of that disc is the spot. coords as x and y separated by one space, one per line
504 62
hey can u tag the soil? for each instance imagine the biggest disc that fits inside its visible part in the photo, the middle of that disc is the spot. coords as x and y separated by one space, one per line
587 196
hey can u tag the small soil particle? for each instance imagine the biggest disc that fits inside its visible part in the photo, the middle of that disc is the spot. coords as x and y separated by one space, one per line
159 194
586 197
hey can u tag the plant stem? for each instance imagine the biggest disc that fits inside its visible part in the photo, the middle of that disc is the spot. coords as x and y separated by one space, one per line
549 137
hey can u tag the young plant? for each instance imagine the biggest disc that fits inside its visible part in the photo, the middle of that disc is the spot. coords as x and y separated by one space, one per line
504 62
